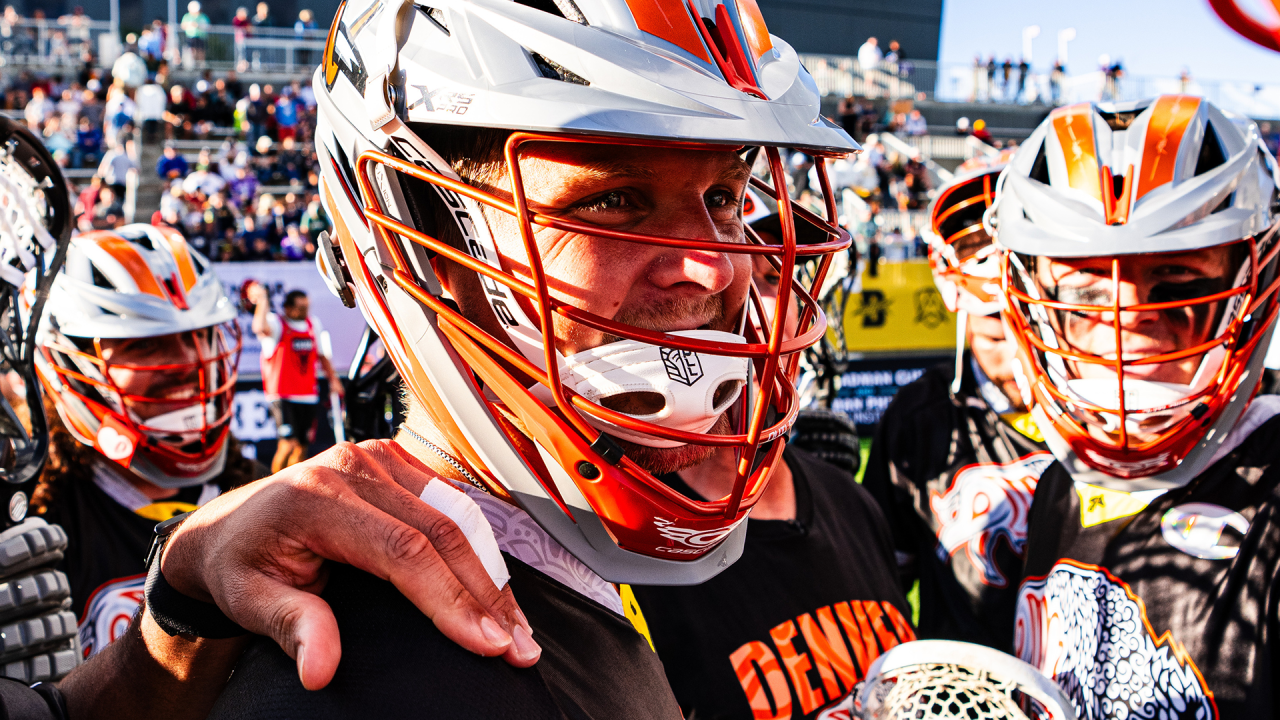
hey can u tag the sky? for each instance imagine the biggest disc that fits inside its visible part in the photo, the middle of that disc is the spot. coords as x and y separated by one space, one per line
1152 37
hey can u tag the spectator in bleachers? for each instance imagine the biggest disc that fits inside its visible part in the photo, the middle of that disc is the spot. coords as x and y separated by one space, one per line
78 33
314 219
195 26
118 115
177 114
255 111
107 212
294 246
116 164
262 17
915 124
286 116
869 55
150 46
240 28
244 187
55 139
88 150
39 110
171 164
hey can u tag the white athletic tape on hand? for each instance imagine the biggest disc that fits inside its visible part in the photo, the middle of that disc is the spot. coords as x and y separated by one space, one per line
466 514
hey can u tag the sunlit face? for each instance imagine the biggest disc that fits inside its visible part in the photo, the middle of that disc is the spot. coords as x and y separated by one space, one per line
1150 278
995 354
664 192
768 282
179 385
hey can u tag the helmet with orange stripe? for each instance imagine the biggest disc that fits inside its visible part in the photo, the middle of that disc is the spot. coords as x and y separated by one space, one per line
1141 279
965 264
138 350
433 122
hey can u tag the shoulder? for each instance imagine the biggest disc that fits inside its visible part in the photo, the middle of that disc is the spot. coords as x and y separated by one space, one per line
834 488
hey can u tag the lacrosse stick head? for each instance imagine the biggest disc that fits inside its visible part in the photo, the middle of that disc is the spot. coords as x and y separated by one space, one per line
35 230
944 679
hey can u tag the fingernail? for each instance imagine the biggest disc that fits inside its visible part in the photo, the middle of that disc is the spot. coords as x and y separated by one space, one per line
526 648
494 634
301 664
524 621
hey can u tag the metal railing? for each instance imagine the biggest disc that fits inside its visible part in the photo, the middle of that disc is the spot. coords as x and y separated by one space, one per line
259 50
56 42
843 76
52 43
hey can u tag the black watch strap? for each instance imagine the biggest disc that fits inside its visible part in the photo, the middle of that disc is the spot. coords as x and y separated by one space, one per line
179 614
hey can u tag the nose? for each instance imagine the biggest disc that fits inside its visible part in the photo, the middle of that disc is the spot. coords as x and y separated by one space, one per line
1133 293
704 271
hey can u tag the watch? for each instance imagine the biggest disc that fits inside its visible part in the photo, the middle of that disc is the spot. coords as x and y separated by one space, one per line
175 613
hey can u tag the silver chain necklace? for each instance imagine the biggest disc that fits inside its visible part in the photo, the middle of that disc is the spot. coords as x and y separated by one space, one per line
444 456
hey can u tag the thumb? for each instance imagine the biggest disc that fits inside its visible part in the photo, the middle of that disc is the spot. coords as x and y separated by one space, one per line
303 625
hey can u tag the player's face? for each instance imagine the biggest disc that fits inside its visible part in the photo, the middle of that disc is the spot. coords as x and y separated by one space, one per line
651 191
995 353
768 282
135 368
299 310
1152 278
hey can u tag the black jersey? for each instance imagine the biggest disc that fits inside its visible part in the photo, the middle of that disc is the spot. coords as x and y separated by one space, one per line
396 664
956 481
1161 604
791 627
106 544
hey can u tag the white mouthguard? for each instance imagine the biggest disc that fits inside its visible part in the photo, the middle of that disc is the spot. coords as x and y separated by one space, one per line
686 380
184 422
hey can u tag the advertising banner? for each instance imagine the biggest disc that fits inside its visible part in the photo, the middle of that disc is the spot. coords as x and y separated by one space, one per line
898 310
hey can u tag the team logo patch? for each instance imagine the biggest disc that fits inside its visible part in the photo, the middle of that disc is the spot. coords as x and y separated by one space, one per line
683 366
109 611
1197 529
690 537
984 504
1086 629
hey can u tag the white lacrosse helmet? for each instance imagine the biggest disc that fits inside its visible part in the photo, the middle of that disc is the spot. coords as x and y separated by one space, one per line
142 281
1115 189
704 75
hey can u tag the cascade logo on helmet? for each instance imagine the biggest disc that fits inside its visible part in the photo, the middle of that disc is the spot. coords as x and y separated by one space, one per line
1143 312
541 382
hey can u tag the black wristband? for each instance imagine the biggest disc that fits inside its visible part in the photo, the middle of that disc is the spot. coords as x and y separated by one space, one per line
179 614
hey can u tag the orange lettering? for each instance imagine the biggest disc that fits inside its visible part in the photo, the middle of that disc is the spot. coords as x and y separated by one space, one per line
759 653
900 624
797 665
887 640
829 652
860 638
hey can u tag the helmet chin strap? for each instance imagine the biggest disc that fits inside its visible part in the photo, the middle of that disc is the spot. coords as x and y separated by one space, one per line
186 422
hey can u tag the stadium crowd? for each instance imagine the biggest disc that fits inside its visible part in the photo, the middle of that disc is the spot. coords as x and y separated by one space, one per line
249 193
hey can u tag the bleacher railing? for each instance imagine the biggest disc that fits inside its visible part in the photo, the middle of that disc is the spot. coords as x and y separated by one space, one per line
54 43
842 76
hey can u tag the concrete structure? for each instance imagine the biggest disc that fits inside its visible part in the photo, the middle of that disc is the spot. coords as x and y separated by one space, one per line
839 27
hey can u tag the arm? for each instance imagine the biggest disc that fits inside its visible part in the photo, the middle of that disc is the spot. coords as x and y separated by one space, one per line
261 308
259 553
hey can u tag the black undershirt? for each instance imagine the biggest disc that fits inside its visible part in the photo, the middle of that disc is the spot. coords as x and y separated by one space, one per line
834 560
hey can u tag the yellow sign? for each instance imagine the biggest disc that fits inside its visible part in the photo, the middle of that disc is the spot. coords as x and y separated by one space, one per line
897 310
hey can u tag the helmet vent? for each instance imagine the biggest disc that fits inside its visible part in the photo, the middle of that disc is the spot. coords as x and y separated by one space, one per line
567 9
555 71
1121 120
1211 153
101 280
436 16
1227 202
1040 167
